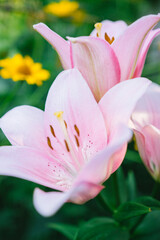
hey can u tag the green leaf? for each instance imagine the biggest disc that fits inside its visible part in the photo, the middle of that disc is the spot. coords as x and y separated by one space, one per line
149 202
102 229
149 228
130 210
68 230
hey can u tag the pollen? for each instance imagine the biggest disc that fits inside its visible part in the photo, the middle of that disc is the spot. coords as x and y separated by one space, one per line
77 130
108 39
59 114
49 143
52 131
66 144
98 27
77 142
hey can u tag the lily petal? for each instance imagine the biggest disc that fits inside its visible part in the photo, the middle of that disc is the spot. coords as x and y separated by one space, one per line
97 62
48 203
118 103
113 29
69 94
105 162
128 45
147 110
148 141
24 126
142 56
29 164
59 44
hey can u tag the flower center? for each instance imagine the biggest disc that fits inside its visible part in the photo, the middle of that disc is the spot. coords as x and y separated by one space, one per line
24 69
98 27
67 141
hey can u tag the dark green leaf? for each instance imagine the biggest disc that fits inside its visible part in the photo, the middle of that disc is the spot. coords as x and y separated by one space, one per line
130 210
149 202
149 229
68 230
102 229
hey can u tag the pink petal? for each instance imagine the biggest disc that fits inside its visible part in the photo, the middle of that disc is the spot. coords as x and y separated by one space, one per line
70 94
102 165
142 56
84 191
48 203
118 103
148 142
24 126
140 141
113 29
147 110
97 63
128 45
59 44
152 143
29 164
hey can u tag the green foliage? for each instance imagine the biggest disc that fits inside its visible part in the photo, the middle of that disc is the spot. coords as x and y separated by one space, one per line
68 230
130 210
101 229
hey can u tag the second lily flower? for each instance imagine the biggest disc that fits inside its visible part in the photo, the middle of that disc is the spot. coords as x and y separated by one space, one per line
113 53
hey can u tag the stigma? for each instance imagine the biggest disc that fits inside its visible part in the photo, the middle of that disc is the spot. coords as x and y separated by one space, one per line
98 27
59 114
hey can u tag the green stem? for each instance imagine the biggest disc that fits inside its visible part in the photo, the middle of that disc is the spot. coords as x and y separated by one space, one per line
116 188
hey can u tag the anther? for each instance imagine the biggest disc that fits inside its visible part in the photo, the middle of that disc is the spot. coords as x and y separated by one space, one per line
108 39
49 143
77 142
65 123
98 27
52 131
77 130
66 144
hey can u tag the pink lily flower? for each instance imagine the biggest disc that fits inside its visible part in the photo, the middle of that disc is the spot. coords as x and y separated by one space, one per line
146 125
74 145
113 53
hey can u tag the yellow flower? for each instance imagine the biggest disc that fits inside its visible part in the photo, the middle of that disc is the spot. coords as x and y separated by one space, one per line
64 8
79 16
20 68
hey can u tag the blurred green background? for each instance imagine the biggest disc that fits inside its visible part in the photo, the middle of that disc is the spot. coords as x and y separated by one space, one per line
18 218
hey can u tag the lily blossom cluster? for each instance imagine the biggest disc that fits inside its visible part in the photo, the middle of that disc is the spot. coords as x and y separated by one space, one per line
146 125
114 52
72 146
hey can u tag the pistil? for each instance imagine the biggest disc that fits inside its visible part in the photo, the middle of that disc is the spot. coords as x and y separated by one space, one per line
98 27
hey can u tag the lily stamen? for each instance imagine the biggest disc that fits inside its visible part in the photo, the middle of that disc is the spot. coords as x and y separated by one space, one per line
67 141
108 39
98 27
